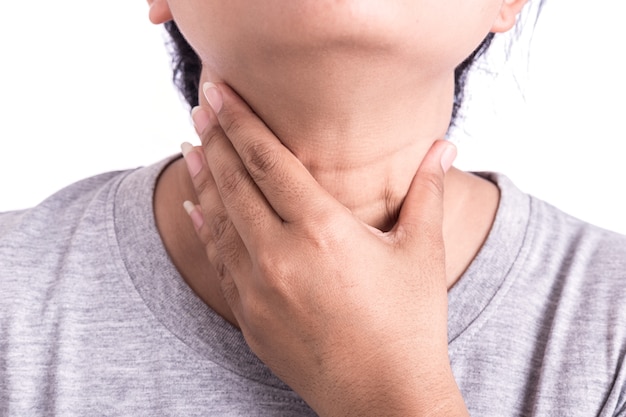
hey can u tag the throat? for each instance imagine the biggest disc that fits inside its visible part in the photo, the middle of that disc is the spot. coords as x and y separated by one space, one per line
361 134
374 190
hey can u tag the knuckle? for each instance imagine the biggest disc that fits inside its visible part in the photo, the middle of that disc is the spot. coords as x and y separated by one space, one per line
202 183
210 136
425 233
232 180
260 159
323 231
274 271
211 252
220 269
227 243
233 124
219 224
432 183
229 251
268 264
204 235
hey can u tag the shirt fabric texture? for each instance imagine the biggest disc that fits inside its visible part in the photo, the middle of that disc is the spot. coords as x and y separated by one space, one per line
95 320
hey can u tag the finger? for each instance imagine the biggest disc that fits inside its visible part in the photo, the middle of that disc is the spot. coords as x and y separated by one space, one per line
422 211
244 204
224 247
230 292
228 286
285 182
205 189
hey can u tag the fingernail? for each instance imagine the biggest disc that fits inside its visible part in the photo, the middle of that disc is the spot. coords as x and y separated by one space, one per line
448 156
201 119
192 159
213 96
194 214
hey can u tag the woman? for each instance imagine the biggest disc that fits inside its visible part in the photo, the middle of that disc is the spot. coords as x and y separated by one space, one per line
325 235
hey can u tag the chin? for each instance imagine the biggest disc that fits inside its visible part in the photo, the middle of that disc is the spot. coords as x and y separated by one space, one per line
238 33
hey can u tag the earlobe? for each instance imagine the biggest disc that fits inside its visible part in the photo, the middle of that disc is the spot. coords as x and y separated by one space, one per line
508 15
159 11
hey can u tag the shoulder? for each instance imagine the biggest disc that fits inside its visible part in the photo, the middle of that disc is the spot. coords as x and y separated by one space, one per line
557 241
56 213
564 266
553 322
588 266
77 222
575 274
575 245
37 243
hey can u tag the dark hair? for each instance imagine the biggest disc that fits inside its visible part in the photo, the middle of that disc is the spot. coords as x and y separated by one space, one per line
186 64
460 74
186 67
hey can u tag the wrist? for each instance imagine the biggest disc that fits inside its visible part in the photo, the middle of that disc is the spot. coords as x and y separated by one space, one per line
432 394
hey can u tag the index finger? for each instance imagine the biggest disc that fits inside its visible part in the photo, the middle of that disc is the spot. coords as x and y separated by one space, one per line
286 184
245 204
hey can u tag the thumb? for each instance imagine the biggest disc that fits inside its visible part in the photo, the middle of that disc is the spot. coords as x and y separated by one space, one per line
422 211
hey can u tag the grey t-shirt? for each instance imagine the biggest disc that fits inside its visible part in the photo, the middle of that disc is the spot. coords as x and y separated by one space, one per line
96 321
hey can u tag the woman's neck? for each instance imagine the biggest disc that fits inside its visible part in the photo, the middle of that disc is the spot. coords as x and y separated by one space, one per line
361 128
362 135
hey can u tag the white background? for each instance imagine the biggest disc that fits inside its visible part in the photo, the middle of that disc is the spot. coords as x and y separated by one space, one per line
85 88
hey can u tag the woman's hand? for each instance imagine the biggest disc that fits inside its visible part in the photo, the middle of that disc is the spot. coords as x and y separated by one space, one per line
353 319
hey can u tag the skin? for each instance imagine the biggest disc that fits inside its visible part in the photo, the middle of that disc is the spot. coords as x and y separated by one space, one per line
334 107
315 329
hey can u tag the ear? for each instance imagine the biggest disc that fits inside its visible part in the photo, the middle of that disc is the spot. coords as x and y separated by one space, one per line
159 11
508 15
